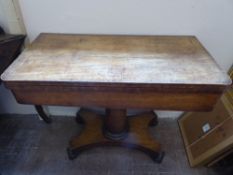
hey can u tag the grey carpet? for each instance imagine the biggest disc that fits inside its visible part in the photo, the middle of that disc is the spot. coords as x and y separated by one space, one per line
29 146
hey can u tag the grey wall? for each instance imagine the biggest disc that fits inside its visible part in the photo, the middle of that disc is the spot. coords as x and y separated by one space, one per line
3 19
210 20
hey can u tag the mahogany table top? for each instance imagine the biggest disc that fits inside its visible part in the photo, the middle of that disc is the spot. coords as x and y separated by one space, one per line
116 59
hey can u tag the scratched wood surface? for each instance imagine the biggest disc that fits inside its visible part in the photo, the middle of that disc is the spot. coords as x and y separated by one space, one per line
116 59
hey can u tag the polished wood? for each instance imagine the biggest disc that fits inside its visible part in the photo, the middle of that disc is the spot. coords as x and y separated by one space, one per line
163 72
117 72
117 59
115 124
138 137
170 99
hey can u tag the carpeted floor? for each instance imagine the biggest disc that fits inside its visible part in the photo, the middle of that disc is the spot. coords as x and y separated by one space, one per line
29 146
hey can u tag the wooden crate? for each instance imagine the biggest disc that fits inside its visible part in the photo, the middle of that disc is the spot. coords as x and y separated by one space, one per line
208 136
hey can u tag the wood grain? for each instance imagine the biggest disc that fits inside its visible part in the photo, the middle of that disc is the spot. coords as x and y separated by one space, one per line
113 99
116 59
159 72
138 137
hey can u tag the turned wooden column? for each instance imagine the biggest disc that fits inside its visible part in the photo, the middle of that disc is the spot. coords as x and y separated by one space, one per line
115 124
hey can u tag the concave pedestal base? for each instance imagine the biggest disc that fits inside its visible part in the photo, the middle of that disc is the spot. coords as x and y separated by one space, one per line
116 129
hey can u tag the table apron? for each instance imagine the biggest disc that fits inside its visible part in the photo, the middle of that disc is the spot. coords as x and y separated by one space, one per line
186 101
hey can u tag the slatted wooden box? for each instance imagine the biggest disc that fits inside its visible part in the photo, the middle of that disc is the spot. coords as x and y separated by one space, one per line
207 135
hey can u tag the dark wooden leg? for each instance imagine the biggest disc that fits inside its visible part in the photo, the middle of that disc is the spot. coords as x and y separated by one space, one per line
79 119
42 114
154 122
113 130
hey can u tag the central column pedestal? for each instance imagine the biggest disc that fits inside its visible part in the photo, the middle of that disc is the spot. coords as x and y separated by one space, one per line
116 129
116 125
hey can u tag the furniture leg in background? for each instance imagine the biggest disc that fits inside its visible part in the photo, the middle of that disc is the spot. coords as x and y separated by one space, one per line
42 114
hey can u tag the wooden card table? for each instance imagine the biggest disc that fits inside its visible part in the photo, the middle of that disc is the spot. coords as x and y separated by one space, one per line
117 72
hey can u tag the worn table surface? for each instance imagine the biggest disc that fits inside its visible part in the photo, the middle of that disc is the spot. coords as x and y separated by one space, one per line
116 59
